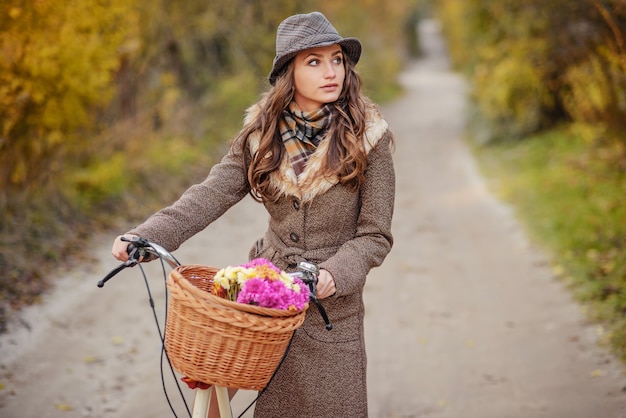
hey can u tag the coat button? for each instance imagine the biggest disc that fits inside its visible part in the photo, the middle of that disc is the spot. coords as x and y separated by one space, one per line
294 237
296 205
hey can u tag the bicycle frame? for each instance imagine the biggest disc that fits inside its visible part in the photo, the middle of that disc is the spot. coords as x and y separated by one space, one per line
202 402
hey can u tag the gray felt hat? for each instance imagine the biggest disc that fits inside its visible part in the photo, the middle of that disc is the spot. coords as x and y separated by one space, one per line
305 31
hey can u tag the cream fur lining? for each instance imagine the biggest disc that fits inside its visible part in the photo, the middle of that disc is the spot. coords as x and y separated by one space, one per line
311 183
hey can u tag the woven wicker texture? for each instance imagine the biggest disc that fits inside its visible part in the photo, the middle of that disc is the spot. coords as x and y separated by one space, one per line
213 340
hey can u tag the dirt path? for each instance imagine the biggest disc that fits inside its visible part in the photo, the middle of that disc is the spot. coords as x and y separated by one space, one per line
463 319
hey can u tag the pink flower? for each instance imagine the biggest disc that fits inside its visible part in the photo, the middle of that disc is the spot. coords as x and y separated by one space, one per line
273 294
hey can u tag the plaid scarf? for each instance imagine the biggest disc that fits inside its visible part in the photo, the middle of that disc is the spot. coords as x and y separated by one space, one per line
302 132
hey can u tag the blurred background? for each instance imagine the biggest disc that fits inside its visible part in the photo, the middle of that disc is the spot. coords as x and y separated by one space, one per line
109 109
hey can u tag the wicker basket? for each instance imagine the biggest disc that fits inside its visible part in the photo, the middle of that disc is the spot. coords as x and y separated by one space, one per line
213 340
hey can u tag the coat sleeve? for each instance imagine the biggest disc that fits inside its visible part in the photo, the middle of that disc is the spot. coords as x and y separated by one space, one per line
199 205
373 239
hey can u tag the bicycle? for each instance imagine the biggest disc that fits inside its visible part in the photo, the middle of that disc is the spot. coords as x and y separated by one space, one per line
139 249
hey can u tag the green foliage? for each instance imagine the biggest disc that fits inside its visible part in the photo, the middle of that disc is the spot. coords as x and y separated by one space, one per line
98 181
570 197
509 91
229 100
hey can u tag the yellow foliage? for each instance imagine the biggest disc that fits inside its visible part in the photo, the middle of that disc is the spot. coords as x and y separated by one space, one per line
510 87
538 63
597 88
57 60
64 407
589 92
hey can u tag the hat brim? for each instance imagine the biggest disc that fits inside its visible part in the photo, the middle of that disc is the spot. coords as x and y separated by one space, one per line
351 47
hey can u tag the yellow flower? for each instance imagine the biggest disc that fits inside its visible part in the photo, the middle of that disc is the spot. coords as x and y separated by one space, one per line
220 280
241 274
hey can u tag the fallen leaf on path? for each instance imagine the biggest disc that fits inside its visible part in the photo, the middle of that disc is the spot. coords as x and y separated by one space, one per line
91 360
406 267
117 340
597 373
64 407
558 270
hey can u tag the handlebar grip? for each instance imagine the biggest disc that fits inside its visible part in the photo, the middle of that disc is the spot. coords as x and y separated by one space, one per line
133 252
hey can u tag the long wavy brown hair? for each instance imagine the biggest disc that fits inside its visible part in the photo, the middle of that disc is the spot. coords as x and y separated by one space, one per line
346 157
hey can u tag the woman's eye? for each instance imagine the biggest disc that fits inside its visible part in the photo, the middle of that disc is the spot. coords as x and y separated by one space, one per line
316 62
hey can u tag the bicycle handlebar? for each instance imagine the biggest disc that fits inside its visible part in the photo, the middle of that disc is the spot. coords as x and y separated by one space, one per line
143 247
138 248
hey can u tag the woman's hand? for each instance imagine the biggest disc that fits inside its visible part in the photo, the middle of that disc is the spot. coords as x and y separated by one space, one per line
325 285
120 247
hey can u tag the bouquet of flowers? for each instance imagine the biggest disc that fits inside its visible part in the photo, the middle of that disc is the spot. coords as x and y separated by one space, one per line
259 282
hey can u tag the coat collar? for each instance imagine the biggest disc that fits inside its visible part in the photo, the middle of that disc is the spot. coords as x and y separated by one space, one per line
311 183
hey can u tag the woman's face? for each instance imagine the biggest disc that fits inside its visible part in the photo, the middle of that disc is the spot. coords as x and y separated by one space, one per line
318 76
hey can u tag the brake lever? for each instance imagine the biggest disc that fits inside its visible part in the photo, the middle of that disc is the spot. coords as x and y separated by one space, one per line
135 254
131 262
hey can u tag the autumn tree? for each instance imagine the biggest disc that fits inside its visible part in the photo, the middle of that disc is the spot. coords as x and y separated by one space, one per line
57 61
535 64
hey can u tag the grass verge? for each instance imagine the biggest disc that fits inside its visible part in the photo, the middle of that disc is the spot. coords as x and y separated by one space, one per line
568 189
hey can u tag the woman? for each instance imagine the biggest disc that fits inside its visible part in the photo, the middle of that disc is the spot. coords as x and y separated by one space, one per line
317 154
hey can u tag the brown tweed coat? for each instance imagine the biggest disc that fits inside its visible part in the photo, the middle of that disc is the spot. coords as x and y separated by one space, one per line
319 220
